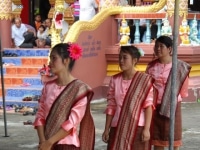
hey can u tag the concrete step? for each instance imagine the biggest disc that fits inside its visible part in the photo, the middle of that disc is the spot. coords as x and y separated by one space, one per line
25 61
21 74
22 80
19 103
22 70
28 52
18 91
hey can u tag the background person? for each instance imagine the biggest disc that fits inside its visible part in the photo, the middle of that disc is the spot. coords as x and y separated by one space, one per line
37 21
88 9
41 37
160 70
48 23
22 36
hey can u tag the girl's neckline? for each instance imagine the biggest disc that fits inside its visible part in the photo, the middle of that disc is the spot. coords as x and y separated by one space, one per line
164 63
128 79
63 85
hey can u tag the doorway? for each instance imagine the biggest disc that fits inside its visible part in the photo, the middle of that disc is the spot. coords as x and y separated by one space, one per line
41 7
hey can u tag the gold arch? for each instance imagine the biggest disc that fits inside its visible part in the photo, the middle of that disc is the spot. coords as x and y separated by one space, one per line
81 26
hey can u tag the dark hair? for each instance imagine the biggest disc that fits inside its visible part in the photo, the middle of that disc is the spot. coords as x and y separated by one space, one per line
48 19
132 50
42 26
62 50
165 40
37 15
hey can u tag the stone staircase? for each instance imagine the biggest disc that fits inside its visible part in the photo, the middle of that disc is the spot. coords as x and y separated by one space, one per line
21 76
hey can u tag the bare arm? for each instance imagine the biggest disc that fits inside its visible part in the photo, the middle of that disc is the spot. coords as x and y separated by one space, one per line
40 132
105 135
59 135
110 110
34 33
146 130
12 43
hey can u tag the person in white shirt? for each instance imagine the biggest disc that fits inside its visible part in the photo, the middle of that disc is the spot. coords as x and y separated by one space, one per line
22 36
41 37
88 9
41 34
48 23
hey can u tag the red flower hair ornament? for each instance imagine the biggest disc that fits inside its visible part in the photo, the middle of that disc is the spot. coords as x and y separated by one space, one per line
75 51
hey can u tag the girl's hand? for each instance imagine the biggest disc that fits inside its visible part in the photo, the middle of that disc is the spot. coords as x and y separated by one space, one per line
145 135
105 136
46 145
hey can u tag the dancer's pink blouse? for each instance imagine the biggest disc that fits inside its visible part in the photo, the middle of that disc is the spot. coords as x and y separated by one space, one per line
160 73
49 94
116 94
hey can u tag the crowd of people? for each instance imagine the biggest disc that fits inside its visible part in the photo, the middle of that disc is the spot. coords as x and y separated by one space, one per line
30 36
138 104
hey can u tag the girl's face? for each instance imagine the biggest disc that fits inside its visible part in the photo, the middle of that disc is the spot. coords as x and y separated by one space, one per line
126 62
56 64
41 29
161 50
38 18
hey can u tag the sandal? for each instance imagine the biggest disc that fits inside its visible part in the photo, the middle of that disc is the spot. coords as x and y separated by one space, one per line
25 84
24 109
27 99
28 122
26 113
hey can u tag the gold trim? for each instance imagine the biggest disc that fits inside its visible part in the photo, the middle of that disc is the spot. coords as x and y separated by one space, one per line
69 1
181 13
5 16
182 10
17 2
98 19
52 2
114 69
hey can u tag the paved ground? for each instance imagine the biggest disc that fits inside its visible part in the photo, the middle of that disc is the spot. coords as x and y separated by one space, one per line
23 137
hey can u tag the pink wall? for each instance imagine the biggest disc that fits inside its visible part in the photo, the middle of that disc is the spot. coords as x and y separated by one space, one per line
91 68
5 33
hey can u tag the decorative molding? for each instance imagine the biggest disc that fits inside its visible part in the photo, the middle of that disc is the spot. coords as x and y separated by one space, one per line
109 3
5 9
17 2
68 16
17 11
52 2
69 1
6 16
183 7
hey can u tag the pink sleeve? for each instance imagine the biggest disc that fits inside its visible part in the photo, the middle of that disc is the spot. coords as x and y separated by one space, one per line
40 115
184 89
76 115
111 107
149 100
